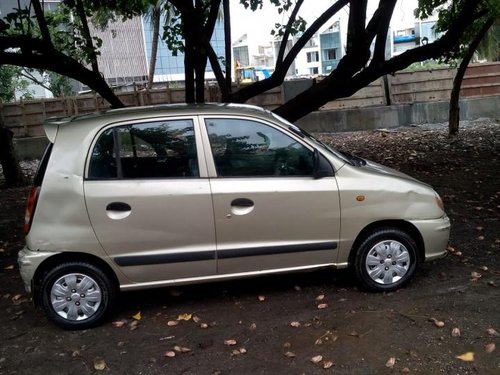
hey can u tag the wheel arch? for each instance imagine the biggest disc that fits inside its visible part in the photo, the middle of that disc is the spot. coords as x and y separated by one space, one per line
59 258
403 225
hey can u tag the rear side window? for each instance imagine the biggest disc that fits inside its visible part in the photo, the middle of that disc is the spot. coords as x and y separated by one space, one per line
163 149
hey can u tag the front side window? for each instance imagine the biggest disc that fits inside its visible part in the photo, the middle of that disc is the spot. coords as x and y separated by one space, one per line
163 149
245 148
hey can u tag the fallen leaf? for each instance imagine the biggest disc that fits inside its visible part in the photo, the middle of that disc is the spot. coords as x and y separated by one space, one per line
480 238
262 298
295 324
490 348
137 316
405 370
484 268
203 325
479 228
230 342
466 357
253 327
327 364
436 322
287 345
475 275
317 359
99 364
185 317
321 297
297 288
455 332
458 253
492 332
390 362
243 350
119 323
172 323
133 325
322 306
289 354
169 354
196 319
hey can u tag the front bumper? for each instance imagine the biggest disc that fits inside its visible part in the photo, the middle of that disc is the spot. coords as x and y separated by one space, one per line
29 261
435 233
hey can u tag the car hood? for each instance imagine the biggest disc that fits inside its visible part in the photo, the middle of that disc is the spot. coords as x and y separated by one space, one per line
382 169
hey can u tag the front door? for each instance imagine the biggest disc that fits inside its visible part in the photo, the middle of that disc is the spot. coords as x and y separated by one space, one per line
270 213
149 208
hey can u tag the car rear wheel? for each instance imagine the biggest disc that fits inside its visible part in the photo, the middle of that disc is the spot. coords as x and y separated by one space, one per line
76 295
386 260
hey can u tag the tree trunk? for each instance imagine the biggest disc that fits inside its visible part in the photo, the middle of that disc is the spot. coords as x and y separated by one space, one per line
454 113
11 169
155 18
189 59
227 43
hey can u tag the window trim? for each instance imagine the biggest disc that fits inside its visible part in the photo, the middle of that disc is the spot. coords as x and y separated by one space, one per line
202 167
212 170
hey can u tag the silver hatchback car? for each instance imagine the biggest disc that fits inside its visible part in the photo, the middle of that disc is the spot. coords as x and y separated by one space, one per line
147 197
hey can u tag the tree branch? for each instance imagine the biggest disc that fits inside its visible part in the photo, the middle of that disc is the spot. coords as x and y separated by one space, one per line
384 15
279 73
288 28
58 62
44 29
86 34
342 83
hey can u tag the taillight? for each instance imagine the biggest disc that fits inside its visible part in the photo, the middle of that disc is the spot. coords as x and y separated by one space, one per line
30 208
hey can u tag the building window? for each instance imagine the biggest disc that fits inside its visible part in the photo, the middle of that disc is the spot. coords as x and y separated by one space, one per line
313 70
330 54
312 56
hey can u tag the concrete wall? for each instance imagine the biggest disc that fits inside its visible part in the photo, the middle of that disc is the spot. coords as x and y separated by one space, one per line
398 115
349 119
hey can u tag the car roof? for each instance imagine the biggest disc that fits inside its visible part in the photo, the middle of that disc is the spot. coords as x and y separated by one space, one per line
52 125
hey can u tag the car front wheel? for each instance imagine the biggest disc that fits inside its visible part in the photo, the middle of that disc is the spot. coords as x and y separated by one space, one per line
385 260
76 295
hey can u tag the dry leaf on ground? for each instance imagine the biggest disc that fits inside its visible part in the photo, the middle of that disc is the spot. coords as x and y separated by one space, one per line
289 354
322 306
490 348
390 362
99 364
466 357
327 364
455 332
262 298
185 317
317 359
172 323
169 354
321 297
137 316
230 342
295 324
492 332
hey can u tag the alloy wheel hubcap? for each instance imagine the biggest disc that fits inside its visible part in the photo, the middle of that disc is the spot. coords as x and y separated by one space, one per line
387 262
75 296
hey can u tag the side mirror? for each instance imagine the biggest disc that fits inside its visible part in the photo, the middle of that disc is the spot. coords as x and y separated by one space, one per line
322 167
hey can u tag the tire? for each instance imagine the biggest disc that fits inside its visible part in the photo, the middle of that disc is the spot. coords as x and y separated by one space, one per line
76 295
385 260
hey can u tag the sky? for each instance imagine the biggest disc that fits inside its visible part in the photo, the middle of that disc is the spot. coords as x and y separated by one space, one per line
261 22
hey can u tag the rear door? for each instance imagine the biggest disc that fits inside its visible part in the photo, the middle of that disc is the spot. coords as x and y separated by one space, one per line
270 212
149 200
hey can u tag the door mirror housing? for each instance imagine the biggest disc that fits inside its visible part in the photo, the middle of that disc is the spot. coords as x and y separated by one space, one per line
322 167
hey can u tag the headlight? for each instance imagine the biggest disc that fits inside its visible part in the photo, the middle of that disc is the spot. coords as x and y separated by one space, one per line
439 201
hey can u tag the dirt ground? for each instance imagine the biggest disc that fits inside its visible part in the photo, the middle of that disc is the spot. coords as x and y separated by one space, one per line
450 309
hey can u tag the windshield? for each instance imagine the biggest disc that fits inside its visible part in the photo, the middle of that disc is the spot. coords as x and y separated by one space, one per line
304 134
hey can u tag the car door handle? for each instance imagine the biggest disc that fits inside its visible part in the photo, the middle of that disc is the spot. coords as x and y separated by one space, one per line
242 202
118 206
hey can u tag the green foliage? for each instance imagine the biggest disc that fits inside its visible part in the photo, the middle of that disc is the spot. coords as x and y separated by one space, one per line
60 85
11 82
447 11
